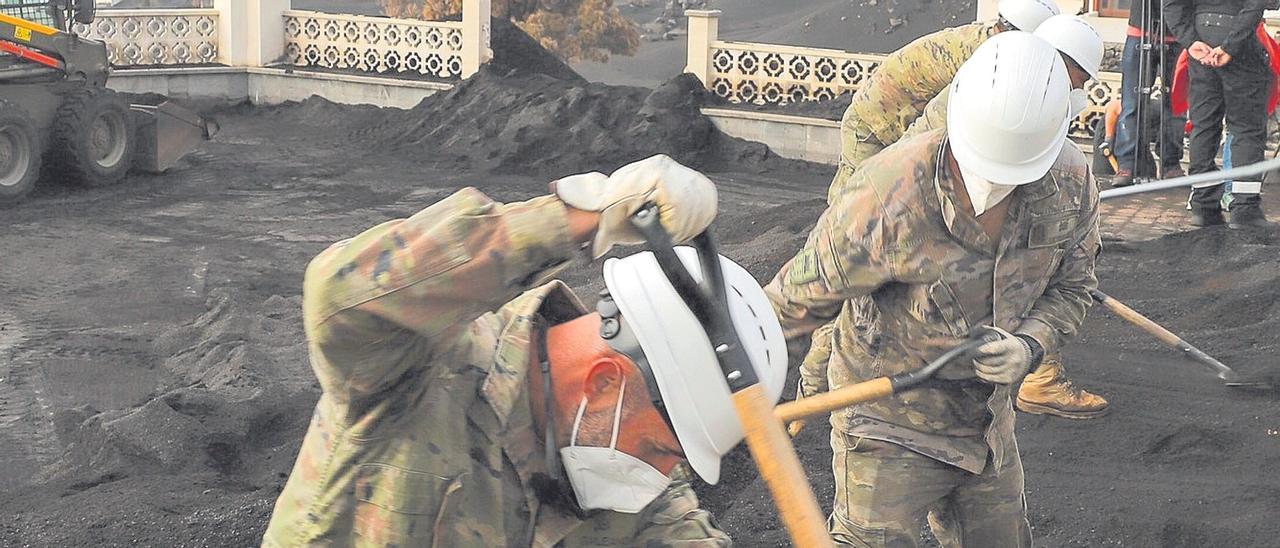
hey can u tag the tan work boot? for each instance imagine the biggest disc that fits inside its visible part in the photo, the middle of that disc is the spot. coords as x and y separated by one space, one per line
1048 391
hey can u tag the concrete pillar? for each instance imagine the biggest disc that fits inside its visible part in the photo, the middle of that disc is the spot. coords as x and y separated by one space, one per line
475 36
250 32
987 10
704 30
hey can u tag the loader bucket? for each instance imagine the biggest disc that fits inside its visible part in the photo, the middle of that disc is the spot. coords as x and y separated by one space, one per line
166 133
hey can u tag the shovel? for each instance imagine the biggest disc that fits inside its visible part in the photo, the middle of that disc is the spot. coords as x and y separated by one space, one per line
794 412
766 439
1228 375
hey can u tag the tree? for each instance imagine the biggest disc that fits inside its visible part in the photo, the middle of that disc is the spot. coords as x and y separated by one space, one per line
573 29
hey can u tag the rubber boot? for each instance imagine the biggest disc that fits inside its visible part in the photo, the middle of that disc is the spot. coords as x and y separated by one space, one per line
1246 211
1048 391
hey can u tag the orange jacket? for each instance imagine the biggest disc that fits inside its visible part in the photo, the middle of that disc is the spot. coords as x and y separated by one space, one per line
1178 101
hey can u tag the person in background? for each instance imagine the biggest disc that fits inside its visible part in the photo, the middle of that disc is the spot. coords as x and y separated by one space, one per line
1229 78
1144 26
1179 103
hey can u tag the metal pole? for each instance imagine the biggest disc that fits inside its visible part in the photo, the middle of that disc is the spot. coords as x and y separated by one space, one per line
1188 180
1143 91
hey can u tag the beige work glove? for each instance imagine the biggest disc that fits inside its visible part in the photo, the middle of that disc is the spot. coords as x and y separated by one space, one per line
686 200
1004 359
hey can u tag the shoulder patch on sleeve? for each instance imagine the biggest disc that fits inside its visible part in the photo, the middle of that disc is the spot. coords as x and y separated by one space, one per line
804 268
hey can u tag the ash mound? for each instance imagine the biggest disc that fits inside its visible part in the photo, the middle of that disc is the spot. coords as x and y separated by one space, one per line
514 51
239 398
527 112
516 122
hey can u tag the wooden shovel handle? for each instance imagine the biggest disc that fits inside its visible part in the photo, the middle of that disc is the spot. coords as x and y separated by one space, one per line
840 398
780 467
1132 316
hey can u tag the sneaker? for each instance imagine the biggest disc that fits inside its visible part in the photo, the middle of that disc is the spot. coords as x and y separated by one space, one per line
1048 391
1171 172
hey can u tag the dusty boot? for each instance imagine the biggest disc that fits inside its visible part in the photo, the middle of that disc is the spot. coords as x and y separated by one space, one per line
1246 211
1048 391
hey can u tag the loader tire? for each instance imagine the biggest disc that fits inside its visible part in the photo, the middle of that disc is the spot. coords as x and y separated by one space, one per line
19 154
93 138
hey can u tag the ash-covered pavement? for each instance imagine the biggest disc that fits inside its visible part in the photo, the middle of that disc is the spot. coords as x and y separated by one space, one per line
155 385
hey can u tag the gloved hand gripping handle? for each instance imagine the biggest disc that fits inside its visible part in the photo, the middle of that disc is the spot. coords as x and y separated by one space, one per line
873 389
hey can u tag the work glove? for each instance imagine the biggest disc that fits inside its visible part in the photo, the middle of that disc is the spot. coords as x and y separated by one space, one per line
1005 358
685 199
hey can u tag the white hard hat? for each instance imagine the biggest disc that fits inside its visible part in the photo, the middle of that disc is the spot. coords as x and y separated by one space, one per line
1026 15
1007 116
1076 38
678 352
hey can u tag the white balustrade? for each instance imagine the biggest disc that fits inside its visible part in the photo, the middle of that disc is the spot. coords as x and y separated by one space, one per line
374 44
156 37
746 72
767 73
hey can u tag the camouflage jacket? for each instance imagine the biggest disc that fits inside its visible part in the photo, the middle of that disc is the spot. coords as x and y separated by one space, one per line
420 333
907 79
906 275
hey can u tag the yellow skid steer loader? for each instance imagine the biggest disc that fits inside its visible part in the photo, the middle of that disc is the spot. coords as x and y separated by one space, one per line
57 116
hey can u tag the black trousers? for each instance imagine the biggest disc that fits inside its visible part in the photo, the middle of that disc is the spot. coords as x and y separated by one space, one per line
1236 92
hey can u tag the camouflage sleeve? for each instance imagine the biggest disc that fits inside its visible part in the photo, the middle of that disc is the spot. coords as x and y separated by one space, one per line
934 117
813 369
377 304
1057 314
844 257
676 520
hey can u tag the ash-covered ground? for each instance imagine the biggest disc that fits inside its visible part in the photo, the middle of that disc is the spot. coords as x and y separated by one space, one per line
154 385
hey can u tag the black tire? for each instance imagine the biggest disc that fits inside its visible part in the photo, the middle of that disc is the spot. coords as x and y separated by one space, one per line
19 154
93 138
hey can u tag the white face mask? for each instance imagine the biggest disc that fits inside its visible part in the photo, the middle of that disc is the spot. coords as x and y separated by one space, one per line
983 194
604 478
1079 99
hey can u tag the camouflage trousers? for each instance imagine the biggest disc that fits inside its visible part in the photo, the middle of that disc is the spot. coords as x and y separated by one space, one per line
857 143
884 492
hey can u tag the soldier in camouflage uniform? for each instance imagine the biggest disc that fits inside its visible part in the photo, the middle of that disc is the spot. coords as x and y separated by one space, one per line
1047 390
896 95
424 334
906 270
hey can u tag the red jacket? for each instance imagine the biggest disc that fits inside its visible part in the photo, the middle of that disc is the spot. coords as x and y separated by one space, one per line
1178 101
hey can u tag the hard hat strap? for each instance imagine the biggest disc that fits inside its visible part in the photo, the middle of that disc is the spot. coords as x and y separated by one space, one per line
548 397
619 336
